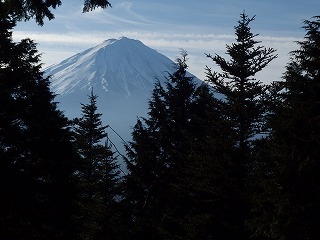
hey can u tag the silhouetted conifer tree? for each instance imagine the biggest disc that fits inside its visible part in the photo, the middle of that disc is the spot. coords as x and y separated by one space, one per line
241 103
36 153
288 202
237 83
97 176
178 166
159 157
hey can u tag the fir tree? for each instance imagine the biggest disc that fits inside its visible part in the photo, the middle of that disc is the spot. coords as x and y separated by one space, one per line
36 152
241 103
97 175
178 161
288 202
158 156
238 85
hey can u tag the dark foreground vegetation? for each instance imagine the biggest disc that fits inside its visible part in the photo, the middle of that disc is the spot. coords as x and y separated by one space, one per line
232 158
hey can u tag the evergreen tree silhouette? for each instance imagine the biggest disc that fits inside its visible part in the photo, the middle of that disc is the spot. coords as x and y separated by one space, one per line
287 204
170 149
97 175
241 102
36 152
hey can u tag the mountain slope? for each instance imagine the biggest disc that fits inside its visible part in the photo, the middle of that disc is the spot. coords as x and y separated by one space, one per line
122 72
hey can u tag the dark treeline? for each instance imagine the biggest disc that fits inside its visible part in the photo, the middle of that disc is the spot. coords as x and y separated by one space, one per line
231 158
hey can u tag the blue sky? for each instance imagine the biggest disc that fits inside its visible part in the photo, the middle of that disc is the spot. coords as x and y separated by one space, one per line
203 26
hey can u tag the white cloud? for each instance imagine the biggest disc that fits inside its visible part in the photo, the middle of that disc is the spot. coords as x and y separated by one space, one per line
57 47
60 39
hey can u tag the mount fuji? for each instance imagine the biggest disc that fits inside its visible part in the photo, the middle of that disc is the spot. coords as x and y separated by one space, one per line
122 72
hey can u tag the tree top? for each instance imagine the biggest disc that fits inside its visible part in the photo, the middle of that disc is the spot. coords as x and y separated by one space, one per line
40 9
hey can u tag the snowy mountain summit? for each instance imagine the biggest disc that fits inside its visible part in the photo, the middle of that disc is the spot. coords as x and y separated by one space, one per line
122 72
123 66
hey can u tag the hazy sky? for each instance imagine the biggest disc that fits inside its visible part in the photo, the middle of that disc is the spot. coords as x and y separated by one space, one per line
202 26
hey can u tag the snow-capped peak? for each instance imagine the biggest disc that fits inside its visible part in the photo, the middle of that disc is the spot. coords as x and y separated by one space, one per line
120 65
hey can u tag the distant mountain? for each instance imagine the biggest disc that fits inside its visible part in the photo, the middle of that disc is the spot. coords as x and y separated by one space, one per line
122 72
